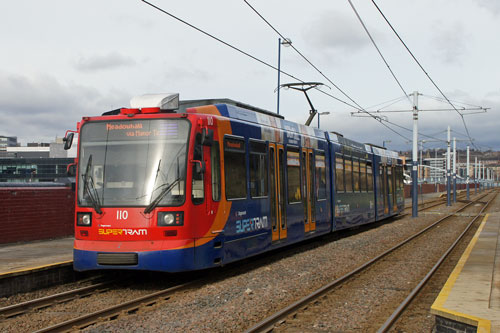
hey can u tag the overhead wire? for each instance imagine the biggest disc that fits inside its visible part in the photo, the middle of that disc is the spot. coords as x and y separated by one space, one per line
397 99
240 50
300 53
439 99
271 66
360 108
378 50
426 73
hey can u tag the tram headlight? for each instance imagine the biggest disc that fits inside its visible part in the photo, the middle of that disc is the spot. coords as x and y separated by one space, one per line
170 219
84 219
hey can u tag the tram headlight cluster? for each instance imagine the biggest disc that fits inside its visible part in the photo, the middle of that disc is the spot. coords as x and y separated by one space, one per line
170 219
84 219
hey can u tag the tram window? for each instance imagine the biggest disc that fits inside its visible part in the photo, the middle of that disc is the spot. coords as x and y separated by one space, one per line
321 175
258 169
369 176
215 163
381 181
198 188
399 176
339 174
355 174
235 172
362 175
389 179
348 174
304 183
293 176
272 183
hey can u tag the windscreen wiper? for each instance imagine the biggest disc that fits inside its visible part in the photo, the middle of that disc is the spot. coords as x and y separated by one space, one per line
164 192
86 188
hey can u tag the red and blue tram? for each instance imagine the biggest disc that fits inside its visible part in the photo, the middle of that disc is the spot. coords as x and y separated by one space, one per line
176 186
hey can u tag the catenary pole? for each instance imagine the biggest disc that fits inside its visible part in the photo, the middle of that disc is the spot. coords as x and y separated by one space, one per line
468 175
479 176
454 170
414 176
448 171
279 75
475 175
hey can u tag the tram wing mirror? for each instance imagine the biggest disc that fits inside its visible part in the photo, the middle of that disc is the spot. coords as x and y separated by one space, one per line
71 170
68 140
199 167
207 137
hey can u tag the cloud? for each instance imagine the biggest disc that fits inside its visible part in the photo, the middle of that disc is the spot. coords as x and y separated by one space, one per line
493 5
187 74
335 32
109 61
449 43
39 108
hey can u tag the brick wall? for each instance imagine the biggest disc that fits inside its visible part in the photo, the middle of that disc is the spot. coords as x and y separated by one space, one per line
35 213
430 188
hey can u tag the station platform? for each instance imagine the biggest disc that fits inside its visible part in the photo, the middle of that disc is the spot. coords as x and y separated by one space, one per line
38 255
470 299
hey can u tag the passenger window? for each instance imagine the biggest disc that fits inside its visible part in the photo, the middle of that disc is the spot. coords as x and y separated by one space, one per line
355 173
339 174
369 176
258 169
215 162
235 172
362 176
198 187
321 175
348 174
293 176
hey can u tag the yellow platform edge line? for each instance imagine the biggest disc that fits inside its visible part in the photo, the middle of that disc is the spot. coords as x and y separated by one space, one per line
483 325
35 268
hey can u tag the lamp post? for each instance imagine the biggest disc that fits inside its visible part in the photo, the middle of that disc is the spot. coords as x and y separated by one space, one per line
285 42
322 114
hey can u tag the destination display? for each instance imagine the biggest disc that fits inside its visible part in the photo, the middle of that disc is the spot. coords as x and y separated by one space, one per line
154 129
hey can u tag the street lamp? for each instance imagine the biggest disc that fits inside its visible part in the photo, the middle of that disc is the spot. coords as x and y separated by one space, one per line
285 42
322 114
384 142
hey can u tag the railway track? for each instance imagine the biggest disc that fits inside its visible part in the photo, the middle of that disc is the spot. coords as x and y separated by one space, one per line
295 315
43 302
109 312
14 317
422 206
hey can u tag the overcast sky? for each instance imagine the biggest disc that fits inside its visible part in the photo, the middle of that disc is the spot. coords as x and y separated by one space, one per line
62 60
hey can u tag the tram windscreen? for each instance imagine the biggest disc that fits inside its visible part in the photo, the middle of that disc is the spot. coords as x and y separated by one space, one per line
129 163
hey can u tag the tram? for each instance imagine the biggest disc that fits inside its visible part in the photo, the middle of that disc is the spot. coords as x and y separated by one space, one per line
169 185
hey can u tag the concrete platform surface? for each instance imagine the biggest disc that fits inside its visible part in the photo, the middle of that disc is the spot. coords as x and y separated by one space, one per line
471 295
35 255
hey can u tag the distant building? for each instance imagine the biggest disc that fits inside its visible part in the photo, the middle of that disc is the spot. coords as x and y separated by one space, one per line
28 152
7 141
38 169
36 162
436 171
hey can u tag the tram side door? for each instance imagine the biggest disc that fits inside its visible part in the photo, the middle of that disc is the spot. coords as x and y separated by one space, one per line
390 186
384 189
277 189
394 187
308 190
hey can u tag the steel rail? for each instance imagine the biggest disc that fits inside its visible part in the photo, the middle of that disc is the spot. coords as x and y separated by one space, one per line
113 311
268 323
433 203
399 310
20 308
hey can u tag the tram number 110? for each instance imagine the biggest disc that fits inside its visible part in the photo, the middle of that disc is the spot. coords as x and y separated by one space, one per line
121 215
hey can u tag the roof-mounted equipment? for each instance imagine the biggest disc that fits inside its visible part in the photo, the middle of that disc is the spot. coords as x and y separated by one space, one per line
304 87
